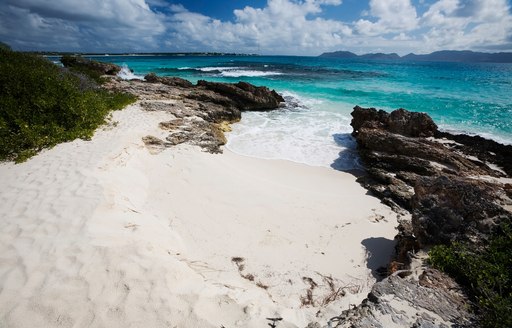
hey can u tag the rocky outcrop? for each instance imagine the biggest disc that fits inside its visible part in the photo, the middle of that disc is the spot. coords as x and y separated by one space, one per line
484 149
95 66
200 113
171 81
406 299
453 188
400 121
241 95
451 208
438 180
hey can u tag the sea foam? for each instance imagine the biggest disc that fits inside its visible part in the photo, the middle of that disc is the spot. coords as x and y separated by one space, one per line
298 133
127 74
232 71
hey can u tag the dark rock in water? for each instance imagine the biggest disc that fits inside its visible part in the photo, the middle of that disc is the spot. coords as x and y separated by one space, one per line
245 96
171 81
400 121
99 67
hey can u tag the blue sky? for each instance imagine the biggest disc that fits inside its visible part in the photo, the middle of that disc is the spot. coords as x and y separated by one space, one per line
296 27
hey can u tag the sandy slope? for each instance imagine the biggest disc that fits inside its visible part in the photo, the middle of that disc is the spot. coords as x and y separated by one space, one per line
104 234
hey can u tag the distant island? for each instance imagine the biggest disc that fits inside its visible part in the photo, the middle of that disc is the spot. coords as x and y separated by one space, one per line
445 56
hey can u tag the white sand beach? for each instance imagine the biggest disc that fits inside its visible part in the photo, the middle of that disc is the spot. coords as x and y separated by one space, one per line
103 233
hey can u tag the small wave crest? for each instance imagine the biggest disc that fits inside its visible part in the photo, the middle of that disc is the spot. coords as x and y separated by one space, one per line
248 73
127 74
294 100
217 69
229 71
297 132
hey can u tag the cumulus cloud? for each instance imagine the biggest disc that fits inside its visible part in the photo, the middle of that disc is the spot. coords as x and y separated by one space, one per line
283 26
280 27
392 16
79 25
468 24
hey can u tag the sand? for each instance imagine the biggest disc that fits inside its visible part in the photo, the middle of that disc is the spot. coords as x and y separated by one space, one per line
103 233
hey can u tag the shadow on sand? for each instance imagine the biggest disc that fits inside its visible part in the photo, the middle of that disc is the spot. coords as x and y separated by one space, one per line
348 159
379 251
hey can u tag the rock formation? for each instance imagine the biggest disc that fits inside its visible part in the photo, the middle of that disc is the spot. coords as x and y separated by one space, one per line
241 95
201 112
171 81
453 186
84 63
426 298
438 180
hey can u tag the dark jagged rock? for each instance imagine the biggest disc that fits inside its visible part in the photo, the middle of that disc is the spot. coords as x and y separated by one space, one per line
171 81
486 150
451 208
434 179
396 152
451 191
400 121
245 96
81 63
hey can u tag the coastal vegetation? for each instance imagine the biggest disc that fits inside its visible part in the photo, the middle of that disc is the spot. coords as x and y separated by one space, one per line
4 46
42 104
486 273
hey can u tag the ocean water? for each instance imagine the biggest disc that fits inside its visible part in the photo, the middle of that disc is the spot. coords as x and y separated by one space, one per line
314 125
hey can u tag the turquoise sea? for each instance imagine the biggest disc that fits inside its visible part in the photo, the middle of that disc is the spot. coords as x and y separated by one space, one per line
314 126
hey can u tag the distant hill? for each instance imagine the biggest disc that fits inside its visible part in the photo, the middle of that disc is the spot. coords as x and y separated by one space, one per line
380 56
339 54
443 56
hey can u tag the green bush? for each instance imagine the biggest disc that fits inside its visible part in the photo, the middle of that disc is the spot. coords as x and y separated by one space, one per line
83 70
485 273
4 46
42 105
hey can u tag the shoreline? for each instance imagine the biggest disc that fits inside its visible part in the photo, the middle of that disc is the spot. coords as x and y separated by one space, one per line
103 232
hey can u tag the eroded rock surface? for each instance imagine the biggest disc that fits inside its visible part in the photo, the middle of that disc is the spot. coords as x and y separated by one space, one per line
451 193
427 299
200 112
243 95
456 187
171 81
99 67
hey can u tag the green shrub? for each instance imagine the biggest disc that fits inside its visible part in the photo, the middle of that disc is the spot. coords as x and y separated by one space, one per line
42 105
88 72
485 273
4 46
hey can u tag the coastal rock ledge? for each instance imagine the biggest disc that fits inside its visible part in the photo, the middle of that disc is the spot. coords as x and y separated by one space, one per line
456 188
201 112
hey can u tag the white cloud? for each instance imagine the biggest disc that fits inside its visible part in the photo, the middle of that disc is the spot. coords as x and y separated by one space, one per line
392 16
467 24
283 26
79 25
280 27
